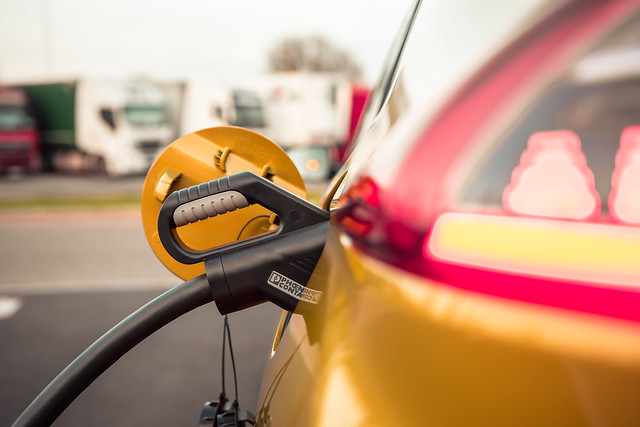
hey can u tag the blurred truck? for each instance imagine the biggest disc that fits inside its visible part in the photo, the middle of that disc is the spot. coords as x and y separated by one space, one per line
114 127
197 104
312 116
200 104
303 108
248 109
19 138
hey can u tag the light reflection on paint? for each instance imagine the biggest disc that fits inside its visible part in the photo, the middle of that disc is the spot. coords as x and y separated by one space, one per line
597 253
339 398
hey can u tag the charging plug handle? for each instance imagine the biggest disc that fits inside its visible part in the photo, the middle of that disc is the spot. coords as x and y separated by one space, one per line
224 195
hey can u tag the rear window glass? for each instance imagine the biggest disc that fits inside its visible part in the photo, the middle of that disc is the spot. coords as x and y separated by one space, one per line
597 99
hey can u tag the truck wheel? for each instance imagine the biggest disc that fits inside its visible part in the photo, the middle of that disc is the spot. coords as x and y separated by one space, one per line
35 165
47 163
101 167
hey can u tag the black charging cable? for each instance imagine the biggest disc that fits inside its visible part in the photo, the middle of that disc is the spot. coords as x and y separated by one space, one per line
103 353
223 412
226 334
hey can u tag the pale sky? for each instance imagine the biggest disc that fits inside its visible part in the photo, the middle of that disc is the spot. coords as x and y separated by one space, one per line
223 40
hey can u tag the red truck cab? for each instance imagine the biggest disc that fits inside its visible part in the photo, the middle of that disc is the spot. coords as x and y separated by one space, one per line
19 136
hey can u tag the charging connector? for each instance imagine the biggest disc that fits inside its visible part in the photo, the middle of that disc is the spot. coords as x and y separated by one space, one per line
271 267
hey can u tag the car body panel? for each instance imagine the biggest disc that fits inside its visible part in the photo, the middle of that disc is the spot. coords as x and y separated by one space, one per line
441 312
396 349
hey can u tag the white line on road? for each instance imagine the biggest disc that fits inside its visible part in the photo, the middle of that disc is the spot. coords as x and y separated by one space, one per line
9 306
73 287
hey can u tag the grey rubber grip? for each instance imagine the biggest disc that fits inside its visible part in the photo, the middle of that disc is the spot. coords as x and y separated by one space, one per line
208 207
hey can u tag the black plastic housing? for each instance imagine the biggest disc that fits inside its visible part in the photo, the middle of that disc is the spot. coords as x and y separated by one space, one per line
272 267
275 270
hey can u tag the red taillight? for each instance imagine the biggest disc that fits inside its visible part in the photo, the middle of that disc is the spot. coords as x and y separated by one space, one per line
357 208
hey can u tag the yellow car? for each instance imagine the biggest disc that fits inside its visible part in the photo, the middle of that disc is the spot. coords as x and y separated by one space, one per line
483 260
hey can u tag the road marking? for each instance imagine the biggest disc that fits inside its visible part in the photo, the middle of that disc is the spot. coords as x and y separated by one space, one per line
131 215
86 287
9 306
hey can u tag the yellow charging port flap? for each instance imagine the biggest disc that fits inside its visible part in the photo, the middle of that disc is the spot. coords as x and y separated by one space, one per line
203 156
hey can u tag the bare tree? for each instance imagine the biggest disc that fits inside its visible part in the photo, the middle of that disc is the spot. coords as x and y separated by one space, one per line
313 53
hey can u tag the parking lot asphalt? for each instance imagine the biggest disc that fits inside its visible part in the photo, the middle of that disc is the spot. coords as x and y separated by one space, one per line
70 274
51 185
16 187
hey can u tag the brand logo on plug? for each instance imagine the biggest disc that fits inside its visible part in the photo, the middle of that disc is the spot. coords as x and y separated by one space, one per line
293 288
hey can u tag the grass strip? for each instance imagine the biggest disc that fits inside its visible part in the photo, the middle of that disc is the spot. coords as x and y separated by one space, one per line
63 202
69 202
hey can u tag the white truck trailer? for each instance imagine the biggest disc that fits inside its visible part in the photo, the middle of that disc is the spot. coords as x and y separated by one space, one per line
198 104
310 116
304 108
86 125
